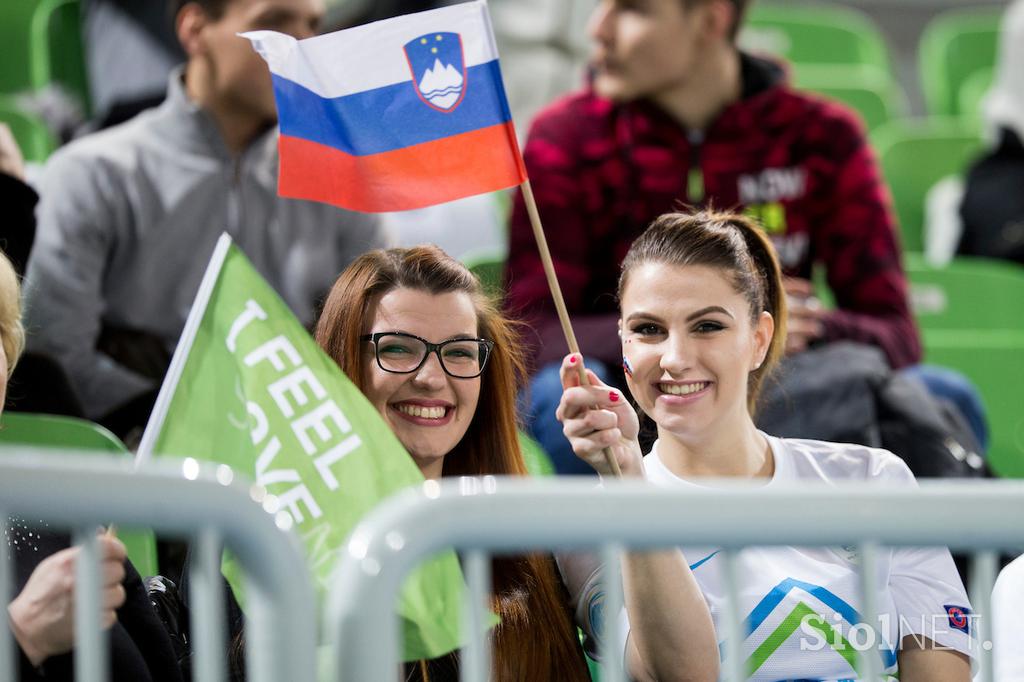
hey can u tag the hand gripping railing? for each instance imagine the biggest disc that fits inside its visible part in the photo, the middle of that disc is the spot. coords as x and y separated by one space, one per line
477 516
83 493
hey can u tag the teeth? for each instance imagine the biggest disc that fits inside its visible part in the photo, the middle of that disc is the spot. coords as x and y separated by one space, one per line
424 412
687 389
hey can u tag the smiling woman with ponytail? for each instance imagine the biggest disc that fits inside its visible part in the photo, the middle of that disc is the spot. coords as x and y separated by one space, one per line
702 309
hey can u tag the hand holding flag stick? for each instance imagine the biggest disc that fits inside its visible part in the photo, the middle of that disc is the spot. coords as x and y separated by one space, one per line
401 114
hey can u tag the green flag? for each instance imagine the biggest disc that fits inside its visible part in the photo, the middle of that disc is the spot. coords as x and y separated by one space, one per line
248 387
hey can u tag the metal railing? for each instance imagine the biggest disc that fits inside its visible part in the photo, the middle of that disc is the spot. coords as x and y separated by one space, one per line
481 516
83 493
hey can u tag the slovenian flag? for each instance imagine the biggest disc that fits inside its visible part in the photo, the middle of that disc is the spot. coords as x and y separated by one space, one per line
394 115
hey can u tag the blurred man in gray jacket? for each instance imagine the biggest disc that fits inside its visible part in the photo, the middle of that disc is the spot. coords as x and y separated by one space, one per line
129 216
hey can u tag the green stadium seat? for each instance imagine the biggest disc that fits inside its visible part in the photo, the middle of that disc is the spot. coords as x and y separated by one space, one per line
31 132
994 362
56 48
15 23
972 94
970 316
869 91
43 430
915 154
954 46
489 269
822 33
967 294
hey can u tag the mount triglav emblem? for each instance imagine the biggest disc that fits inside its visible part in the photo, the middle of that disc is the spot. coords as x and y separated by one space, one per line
438 69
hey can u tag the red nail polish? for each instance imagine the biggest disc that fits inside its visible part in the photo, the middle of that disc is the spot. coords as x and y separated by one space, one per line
572 360
613 396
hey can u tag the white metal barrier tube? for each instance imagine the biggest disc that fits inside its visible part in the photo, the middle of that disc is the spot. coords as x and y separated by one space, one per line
613 651
477 661
92 662
8 661
519 515
868 656
95 491
733 622
983 578
209 640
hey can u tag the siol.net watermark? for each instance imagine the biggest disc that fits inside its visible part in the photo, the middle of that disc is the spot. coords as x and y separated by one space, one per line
928 631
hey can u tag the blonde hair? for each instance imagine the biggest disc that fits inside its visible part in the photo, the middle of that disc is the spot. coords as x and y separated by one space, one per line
11 331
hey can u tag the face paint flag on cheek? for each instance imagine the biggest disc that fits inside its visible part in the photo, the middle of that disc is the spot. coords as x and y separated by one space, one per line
626 367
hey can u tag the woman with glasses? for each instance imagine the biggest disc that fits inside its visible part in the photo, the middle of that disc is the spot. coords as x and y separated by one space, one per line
414 330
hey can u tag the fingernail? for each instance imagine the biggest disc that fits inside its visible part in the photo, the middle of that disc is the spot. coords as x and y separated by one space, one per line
572 360
613 396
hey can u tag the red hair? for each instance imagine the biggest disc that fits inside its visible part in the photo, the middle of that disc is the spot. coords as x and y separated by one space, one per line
536 639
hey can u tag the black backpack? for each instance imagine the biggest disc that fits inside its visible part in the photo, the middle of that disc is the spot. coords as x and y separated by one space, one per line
846 392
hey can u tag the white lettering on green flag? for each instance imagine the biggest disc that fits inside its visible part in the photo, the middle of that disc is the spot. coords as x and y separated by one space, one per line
248 387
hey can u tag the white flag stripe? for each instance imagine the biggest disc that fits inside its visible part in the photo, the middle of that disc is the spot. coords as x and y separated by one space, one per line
372 56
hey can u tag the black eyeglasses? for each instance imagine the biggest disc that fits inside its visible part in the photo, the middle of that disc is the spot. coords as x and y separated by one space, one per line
402 353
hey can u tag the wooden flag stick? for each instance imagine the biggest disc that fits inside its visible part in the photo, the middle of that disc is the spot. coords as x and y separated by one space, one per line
556 294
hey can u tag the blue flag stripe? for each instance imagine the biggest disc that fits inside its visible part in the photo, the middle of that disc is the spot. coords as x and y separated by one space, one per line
391 117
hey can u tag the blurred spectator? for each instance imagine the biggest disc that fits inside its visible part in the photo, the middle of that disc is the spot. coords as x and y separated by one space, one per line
41 616
38 384
20 202
675 113
129 216
993 204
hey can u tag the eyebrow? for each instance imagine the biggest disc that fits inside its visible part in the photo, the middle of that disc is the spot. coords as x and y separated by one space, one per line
689 318
463 336
709 309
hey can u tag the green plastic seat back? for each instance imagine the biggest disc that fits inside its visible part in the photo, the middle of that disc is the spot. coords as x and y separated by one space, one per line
43 430
57 52
870 92
489 269
537 461
994 362
970 317
15 25
46 430
915 154
972 95
32 135
954 46
815 34
967 294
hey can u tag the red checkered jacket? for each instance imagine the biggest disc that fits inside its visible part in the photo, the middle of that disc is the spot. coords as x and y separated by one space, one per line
601 172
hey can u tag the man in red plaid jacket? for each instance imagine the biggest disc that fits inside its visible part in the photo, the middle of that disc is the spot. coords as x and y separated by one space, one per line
676 115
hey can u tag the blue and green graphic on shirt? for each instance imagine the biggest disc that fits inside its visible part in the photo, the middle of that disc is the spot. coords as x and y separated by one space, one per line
803 613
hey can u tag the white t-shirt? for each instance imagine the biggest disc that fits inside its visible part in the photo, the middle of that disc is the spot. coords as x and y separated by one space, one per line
800 605
1008 622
